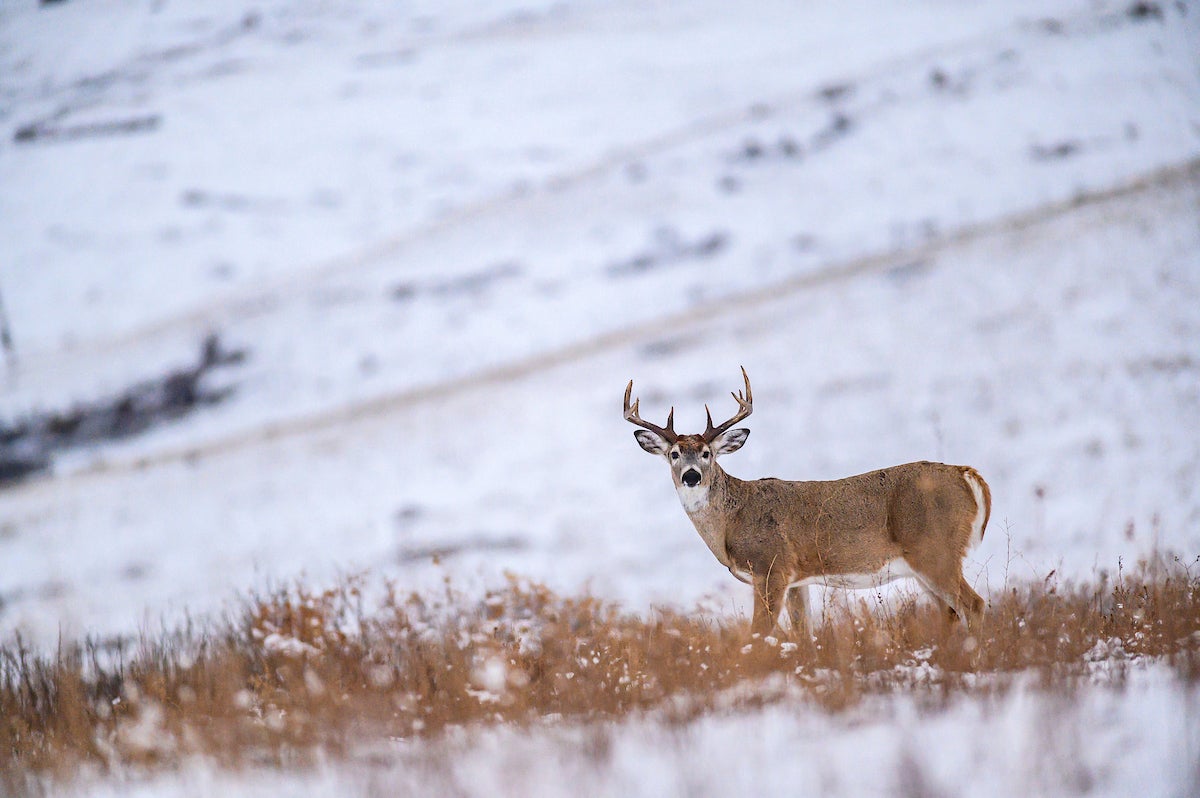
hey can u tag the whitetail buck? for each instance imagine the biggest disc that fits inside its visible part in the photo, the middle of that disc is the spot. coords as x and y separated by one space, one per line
913 520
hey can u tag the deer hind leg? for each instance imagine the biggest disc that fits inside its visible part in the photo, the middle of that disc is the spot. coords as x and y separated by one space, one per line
768 599
971 603
953 593
950 614
797 608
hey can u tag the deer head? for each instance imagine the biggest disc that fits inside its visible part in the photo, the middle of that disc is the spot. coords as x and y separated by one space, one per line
692 457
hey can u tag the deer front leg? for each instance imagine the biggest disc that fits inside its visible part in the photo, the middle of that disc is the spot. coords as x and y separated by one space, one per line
768 597
797 607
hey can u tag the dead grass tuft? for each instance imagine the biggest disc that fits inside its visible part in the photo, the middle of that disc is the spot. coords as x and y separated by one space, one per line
303 673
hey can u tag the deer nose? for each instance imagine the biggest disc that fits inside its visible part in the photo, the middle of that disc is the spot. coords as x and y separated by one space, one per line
691 477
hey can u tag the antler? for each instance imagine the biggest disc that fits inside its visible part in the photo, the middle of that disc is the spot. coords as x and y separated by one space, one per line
745 408
631 415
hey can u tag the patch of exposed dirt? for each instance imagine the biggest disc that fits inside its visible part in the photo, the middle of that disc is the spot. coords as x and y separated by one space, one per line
28 445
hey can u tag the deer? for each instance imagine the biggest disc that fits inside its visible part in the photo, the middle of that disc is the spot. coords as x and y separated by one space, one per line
916 520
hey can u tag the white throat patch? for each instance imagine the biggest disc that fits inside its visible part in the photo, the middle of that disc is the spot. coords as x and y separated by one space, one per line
692 499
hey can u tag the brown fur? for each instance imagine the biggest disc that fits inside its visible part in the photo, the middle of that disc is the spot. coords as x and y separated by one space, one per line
774 533
783 532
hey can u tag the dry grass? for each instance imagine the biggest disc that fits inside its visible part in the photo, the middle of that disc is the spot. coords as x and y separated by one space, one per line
302 673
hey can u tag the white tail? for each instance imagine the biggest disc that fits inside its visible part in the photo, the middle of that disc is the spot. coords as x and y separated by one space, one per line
914 520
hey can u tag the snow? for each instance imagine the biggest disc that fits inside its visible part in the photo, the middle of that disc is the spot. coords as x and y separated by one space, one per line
449 233
1138 740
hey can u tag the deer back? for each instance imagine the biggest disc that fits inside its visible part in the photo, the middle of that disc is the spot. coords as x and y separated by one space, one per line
852 525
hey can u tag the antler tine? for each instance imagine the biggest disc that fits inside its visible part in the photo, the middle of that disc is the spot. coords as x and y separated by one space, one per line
745 407
631 415
749 394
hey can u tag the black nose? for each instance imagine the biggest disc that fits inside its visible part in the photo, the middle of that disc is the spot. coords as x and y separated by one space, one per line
691 477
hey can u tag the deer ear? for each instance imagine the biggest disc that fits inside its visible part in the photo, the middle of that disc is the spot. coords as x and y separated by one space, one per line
650 442
731 441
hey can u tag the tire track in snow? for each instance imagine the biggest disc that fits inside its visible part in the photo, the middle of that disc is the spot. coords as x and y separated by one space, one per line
275 291
1179 177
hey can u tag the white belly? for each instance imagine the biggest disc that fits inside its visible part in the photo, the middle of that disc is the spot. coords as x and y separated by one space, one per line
890 572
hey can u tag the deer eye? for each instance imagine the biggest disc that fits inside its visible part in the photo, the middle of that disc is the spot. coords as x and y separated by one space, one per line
705 454
674 455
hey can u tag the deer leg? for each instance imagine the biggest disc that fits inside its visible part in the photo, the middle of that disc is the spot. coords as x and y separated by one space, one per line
768 598
947 611
797 607
946 595
958 596
971 605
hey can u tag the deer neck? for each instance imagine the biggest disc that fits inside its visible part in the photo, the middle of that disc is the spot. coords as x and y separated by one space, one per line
709 506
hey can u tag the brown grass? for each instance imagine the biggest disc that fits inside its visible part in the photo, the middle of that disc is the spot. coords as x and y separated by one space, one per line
301 673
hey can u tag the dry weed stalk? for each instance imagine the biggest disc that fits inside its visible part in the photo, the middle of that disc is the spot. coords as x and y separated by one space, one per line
302 672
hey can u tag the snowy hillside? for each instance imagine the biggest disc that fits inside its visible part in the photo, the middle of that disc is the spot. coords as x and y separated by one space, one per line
446 237
445 234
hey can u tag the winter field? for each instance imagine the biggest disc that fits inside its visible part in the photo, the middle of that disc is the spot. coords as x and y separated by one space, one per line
433 243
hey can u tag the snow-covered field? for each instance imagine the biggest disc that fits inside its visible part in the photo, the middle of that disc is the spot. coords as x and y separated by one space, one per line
1141 741
447 234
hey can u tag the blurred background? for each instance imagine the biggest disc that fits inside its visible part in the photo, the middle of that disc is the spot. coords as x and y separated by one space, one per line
299 288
